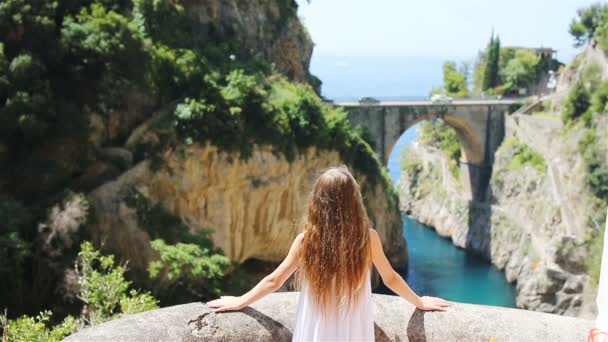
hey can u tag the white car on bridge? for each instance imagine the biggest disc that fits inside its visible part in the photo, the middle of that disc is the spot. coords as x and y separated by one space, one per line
441 99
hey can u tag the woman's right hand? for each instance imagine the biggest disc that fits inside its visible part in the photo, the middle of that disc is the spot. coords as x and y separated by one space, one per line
433 304
227 303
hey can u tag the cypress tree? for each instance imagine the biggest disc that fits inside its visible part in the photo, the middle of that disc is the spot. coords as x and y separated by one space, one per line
490 79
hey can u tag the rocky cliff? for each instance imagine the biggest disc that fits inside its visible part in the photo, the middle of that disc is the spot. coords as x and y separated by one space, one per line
269 30
526 231
253 206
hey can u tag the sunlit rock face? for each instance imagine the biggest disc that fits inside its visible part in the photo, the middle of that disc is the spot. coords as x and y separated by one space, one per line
254 206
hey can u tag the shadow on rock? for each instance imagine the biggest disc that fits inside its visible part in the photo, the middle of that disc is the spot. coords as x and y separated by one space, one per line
276 329
415 327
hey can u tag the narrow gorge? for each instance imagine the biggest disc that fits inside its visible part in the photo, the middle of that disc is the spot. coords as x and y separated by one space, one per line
541 214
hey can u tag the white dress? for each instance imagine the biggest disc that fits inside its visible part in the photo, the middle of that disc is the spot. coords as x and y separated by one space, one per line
355 325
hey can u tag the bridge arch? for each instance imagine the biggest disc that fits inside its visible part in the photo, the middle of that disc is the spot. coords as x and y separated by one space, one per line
470 142
479 126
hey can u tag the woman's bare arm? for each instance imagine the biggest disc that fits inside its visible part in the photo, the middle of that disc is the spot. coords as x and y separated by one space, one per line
395 282
269 284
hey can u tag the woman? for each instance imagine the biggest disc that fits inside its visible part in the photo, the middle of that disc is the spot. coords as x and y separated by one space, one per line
333 256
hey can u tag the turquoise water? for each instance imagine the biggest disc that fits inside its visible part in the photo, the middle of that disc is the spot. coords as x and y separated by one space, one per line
437 267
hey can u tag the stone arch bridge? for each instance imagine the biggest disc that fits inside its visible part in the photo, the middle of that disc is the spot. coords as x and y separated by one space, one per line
479 125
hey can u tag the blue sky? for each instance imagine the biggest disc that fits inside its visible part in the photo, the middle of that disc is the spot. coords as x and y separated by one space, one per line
454 29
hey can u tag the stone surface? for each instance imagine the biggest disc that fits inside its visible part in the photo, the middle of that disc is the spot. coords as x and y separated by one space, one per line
273 318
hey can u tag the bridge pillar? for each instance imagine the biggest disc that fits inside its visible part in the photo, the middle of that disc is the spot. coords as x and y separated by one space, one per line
475 180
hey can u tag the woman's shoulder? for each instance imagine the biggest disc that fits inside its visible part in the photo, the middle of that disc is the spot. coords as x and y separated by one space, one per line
373 234
299 237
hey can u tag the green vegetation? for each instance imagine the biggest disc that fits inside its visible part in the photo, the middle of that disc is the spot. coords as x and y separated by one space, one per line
594 152
511 69
257 109
523 156
587 98
491 67
412 167
438 134
187 270
454 80
586 107
102 288
520 70
30 329
594 261
577 103
591 25
546 115
189 267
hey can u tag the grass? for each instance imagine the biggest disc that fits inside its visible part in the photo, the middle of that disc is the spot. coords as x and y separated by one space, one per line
524 155
547 115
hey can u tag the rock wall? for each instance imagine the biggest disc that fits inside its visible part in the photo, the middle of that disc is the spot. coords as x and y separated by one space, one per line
253 206
535 226
270 30
273 317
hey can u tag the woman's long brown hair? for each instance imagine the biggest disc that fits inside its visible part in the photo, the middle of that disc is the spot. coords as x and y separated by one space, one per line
335 254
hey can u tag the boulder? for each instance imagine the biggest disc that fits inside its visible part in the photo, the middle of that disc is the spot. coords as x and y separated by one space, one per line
273 318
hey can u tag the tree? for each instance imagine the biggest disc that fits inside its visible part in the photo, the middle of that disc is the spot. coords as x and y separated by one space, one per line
492 66
478 71
577 103
583 28
601 31
454 81
520 71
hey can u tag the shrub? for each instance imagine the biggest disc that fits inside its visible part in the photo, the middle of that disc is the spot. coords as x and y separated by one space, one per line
438 134
36 329
577 102
599 100
188 267
596 164
187 270
523 155
104 289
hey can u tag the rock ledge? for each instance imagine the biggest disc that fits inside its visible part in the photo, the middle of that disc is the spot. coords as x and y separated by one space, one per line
272 319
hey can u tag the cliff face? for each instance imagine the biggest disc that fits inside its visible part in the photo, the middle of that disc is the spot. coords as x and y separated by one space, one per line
270 30
253 206
535 227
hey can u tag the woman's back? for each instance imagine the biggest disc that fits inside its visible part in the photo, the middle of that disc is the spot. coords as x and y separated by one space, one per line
356 324
333 254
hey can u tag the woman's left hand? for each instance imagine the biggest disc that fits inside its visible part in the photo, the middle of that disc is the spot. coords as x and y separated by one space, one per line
226 303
